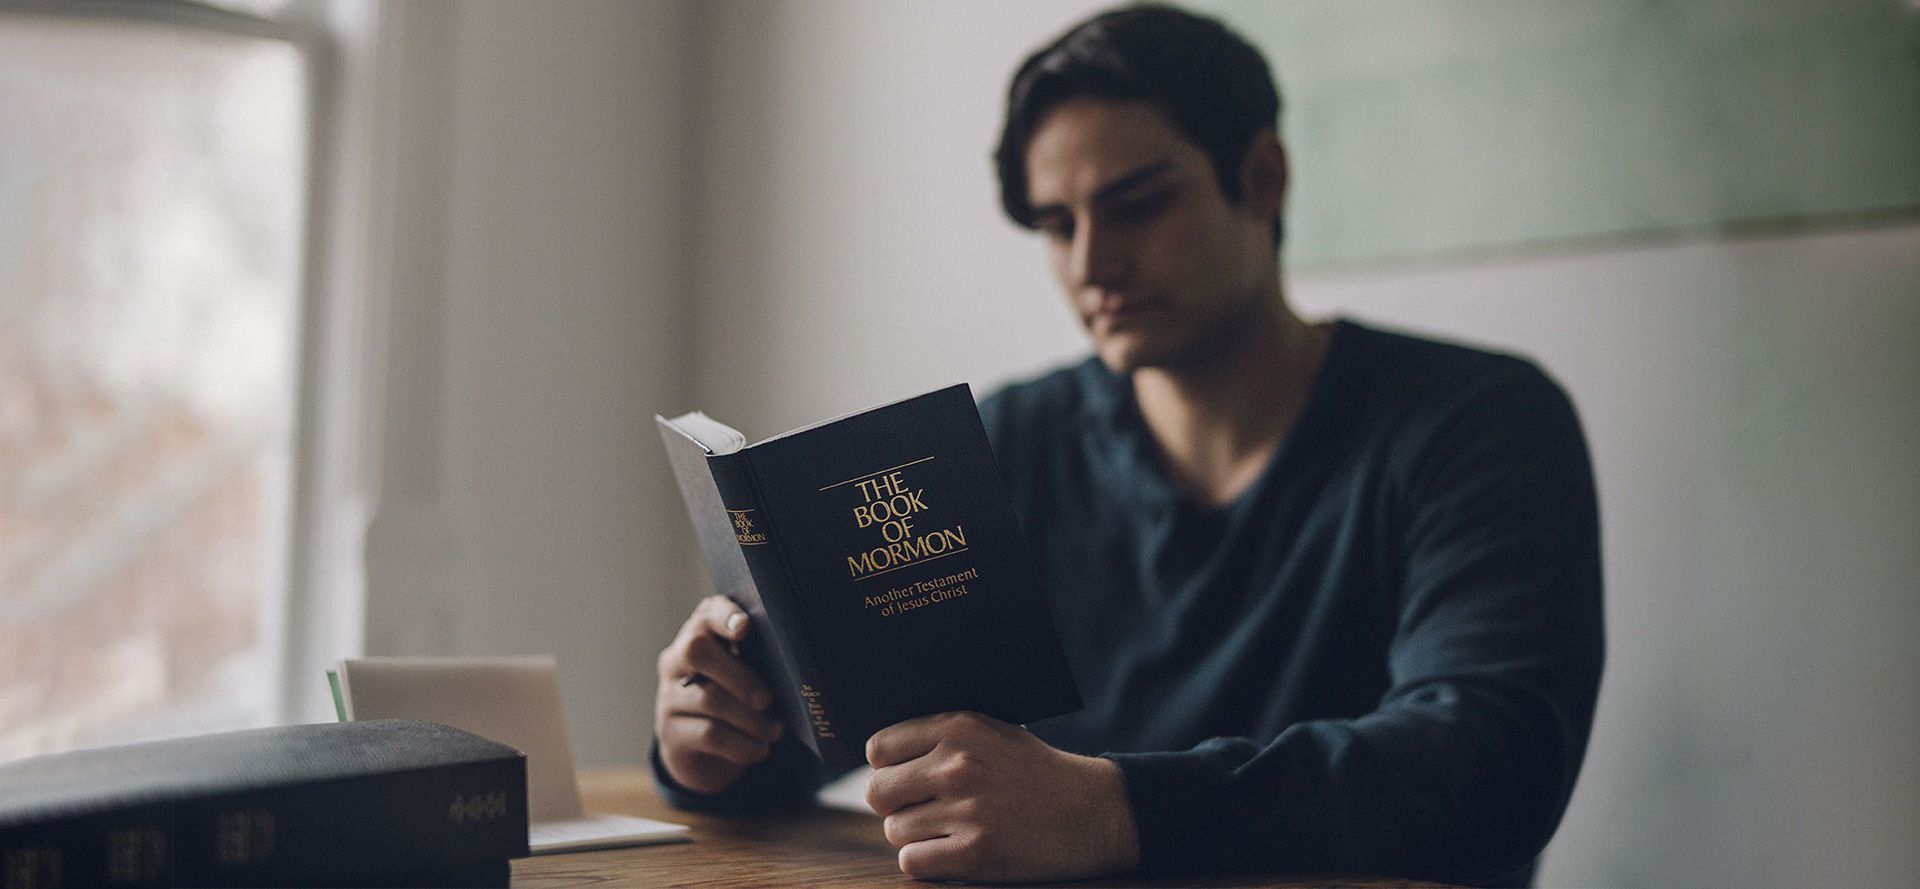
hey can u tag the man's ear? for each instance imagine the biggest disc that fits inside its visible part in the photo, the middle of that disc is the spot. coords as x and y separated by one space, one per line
1263 175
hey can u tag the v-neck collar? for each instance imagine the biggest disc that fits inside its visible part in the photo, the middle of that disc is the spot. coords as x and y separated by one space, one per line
1117 437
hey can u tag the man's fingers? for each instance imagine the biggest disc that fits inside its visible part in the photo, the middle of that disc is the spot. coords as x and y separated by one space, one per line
914 823
903 741
706 706
710 615
896 787
711 658
942 858
710 700
713 616
701 734
721 617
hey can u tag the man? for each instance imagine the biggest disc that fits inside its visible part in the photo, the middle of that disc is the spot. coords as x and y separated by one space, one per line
1332 594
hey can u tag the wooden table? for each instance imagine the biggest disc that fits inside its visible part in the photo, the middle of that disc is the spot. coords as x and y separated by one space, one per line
812 848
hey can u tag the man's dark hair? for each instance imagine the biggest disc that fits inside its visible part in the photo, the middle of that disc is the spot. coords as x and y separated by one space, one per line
1211 84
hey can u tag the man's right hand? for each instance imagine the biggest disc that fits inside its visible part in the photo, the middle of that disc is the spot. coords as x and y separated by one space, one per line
710 711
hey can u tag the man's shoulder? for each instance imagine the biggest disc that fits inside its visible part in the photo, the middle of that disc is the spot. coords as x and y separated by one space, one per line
1423 399
1055 398
1403 371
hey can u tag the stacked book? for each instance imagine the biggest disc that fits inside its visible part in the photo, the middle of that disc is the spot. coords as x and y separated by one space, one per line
381 803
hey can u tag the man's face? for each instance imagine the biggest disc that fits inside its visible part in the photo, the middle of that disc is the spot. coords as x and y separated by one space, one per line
1159 265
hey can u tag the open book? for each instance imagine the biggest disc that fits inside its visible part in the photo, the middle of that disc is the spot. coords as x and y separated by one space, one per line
881 564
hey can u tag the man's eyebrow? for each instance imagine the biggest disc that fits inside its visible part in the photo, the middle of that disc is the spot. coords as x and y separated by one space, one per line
1113 189
1128 181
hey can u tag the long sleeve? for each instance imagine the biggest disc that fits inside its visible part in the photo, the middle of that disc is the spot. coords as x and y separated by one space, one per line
786 780
1465 767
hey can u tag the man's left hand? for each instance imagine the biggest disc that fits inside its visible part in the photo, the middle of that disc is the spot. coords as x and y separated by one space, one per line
968 797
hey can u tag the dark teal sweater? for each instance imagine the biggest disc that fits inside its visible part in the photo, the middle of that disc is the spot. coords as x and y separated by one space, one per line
1382 658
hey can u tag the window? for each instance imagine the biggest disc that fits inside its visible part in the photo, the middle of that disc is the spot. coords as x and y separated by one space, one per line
152 220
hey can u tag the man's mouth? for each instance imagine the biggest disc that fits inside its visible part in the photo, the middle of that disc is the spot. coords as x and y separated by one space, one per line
1114 312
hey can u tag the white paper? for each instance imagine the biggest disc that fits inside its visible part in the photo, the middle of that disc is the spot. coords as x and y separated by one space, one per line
601 832
848 793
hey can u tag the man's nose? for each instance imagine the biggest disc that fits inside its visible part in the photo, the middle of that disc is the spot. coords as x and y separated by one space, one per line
1099 258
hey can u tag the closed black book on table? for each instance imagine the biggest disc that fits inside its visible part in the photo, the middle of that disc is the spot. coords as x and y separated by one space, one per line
386 802
882 554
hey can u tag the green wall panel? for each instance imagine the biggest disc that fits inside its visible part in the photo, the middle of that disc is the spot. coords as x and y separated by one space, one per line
1426 129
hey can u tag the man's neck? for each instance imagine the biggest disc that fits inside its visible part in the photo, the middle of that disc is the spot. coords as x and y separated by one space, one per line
1219 420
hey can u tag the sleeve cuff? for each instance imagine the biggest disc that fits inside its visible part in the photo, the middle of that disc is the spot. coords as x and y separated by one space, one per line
1183 810
787 780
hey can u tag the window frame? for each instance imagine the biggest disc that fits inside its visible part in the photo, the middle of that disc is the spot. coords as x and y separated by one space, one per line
341 300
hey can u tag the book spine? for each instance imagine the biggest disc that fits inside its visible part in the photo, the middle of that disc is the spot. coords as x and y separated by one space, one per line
324 833
329 833
128 848
816 695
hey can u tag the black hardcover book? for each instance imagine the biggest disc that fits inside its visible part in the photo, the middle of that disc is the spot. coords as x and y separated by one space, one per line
880 561
354 803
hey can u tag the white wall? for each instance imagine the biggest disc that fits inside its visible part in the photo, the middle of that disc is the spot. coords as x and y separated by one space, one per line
851 247
538 307
776 212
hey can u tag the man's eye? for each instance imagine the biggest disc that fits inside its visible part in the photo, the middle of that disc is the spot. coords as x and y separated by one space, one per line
1139 209
1056 229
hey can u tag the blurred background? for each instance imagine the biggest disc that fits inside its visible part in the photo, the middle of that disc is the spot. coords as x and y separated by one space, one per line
332 327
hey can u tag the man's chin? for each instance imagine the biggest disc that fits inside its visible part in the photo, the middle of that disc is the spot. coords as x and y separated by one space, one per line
1117 358
1126 354
1125 358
